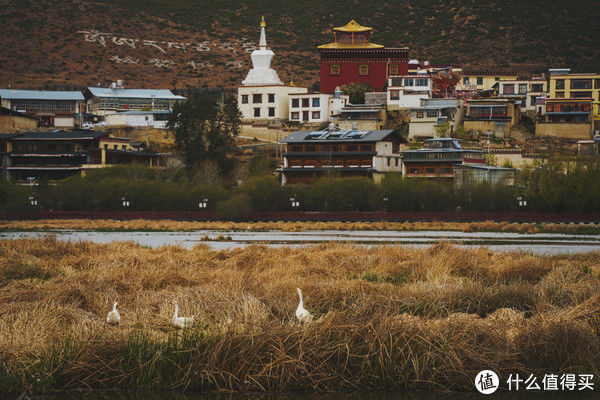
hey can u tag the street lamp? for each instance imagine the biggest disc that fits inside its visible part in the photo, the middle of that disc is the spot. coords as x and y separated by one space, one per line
295 203
203 203
124 202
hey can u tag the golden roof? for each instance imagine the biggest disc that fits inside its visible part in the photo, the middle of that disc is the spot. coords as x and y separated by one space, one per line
350 46
353 26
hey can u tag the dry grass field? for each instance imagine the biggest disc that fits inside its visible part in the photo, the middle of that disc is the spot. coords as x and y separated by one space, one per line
385 317
290 226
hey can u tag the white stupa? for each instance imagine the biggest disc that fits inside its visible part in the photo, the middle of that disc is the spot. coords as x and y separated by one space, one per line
261 73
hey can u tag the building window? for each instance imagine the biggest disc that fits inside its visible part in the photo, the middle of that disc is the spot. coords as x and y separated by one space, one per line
421 82
446 170
316 115
466 80
271 111
363 69
508 89
389 161
532 100
537 87
396 161
522 88
257 98
596 83
409 82
579 95
244 99
257 112
560 95
429 170
479 80
316 102
432 113
305 102
581 83
560 84
413 170
419 114
295 103
393 69
295 115
271 97
123 147
351 147
334 69
106 147
394 95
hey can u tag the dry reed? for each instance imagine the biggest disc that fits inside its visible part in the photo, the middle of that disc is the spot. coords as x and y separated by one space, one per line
291 226
386 317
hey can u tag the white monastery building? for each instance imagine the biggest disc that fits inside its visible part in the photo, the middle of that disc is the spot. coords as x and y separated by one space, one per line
263 96
407 91
316 107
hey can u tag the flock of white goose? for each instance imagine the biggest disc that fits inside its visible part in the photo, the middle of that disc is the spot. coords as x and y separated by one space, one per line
114 318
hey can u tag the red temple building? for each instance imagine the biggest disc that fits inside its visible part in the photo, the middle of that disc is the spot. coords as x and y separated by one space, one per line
353 58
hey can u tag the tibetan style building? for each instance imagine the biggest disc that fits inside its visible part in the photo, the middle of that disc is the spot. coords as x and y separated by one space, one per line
353 58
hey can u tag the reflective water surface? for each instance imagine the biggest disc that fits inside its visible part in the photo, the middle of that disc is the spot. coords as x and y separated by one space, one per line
539 243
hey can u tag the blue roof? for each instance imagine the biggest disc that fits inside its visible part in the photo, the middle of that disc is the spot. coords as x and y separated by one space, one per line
162 94
14 94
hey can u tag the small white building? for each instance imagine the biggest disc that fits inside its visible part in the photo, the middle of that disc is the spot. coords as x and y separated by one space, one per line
407 91
434 117
527 91
315 107
138 119
263 96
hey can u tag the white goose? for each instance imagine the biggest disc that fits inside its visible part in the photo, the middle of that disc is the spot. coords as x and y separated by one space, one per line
180 322
113 316
301 313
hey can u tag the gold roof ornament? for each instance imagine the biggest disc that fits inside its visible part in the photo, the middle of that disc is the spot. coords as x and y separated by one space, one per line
292 83
353 26
262 22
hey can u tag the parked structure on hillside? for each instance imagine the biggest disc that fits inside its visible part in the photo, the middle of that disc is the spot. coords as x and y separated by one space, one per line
407 91
438 158
54 155
116 99
492 115
351 57
435 118
50 108
263 96
311 155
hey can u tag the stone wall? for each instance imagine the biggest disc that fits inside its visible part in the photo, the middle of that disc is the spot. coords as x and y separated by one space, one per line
571 131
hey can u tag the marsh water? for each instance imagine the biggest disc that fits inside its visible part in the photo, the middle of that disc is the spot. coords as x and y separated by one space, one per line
538 243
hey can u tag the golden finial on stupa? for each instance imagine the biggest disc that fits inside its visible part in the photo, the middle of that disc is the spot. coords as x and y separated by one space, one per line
292 83
262 22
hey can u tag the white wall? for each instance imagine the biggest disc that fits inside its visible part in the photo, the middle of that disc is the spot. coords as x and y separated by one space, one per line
280 104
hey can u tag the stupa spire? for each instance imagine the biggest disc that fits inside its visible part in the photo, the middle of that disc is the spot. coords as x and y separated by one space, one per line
263 36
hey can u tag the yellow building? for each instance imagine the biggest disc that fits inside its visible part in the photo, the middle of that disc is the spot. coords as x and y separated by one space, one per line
484 80
565 85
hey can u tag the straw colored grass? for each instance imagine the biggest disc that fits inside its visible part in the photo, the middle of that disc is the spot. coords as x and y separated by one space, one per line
385 317
290 226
